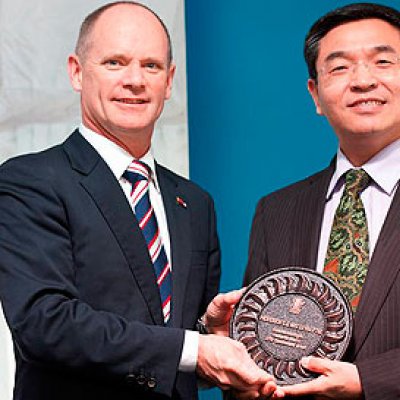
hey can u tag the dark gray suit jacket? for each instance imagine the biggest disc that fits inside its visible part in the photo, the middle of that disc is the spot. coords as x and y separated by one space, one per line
285 232
77 284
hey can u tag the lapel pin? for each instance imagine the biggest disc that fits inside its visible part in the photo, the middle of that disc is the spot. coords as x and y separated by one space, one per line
180 202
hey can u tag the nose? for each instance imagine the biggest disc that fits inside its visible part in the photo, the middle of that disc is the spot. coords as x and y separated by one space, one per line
362 77
133 76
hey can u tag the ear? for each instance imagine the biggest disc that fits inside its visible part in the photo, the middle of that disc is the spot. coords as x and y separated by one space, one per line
312 87
170 78
75 72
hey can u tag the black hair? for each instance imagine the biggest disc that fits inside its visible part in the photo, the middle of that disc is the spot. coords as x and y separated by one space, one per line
340 16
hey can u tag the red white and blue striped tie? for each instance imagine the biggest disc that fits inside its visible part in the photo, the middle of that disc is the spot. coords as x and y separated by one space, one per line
138 174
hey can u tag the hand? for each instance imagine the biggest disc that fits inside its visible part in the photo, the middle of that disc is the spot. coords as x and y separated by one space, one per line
264 393
338 380
220 310
227 364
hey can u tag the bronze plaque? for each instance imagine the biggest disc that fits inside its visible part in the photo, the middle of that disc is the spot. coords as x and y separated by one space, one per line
290 313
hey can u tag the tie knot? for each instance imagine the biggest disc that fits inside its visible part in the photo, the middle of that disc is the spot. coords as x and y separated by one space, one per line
137 171
356 180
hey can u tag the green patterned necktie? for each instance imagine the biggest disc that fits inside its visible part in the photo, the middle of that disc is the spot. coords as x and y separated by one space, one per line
347 258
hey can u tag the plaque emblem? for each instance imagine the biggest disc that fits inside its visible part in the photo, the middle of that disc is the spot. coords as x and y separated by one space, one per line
297 306
288 314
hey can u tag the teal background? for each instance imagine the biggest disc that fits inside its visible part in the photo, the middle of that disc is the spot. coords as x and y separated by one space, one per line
252 124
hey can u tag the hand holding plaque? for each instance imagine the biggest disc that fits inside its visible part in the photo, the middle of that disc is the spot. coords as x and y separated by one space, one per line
288 314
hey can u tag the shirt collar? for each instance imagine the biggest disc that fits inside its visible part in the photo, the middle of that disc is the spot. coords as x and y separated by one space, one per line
383 168
117 158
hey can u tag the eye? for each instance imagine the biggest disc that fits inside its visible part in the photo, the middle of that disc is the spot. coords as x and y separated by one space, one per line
112 63
338 69
385 62
152 66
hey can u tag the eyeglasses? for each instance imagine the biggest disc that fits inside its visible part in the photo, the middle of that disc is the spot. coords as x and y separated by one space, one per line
341 68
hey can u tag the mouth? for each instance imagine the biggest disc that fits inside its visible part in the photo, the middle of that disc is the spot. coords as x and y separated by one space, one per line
132 101
367 103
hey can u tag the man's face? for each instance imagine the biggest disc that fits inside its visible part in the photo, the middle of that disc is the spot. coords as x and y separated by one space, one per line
124 77
358 87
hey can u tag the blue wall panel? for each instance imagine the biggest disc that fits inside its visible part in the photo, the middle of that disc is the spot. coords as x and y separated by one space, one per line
252 124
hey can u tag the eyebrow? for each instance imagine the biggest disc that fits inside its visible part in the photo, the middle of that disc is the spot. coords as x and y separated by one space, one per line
346 54
155 60
124 56
113 55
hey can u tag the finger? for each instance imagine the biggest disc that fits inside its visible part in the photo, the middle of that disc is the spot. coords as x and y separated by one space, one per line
278 394
240 384
227 300
311 388
245 374
246 394
246 377
268 389
251 374
219 311
316 364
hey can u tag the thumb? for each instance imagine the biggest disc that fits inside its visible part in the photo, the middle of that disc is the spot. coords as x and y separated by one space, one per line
232 297
224 301
316 364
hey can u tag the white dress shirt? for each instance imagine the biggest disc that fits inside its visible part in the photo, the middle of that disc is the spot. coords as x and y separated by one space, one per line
118 160
384 170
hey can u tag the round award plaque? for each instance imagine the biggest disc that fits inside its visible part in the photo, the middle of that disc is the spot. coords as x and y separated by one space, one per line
290 313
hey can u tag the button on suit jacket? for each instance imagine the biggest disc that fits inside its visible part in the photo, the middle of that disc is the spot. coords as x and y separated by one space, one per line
77 284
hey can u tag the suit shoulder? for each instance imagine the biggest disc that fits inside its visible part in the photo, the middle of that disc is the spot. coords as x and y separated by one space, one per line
41 165
186 184
295 189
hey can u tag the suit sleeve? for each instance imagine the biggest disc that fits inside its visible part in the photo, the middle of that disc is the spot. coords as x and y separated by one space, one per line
379 375
257 261
51 325
214 262
379 366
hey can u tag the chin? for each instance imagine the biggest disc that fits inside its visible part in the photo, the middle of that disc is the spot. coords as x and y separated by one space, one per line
364 129
129 126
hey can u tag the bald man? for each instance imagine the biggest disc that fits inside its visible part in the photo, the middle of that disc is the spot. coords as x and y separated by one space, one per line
107 258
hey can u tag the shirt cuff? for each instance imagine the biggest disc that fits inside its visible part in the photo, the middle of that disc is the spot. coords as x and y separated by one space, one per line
190 350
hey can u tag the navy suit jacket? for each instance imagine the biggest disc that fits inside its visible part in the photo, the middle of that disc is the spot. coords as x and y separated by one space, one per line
77 285
285 232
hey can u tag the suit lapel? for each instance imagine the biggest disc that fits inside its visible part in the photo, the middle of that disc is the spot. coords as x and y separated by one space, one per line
309 211
104 189
382 272
308 214
178 219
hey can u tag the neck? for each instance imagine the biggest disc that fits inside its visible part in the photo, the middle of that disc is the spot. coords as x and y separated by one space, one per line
359 148
136 144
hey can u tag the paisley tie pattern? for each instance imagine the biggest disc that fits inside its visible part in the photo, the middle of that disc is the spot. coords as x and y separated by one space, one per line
347 257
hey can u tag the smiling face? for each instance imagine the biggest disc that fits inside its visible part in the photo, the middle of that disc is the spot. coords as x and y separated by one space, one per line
358 87
124 76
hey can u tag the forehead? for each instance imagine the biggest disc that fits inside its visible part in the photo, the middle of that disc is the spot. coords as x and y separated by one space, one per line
359 36
128 29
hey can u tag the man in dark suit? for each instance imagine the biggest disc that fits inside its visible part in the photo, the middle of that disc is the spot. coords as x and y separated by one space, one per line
107 259
353 58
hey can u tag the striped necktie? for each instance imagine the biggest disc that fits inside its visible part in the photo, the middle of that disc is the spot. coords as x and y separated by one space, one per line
347 256
139 175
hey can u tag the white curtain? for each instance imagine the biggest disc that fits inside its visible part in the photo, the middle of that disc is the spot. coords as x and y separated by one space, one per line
38 108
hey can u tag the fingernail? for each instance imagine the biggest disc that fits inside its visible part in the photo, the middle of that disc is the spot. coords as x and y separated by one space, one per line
305 361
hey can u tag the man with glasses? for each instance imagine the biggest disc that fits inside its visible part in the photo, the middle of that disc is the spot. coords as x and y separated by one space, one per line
344 221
